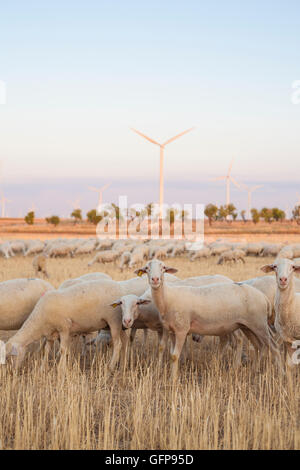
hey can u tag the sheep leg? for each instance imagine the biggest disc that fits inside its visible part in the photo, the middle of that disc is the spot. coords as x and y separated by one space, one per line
180 338
117 346
132 334
124 341
162 343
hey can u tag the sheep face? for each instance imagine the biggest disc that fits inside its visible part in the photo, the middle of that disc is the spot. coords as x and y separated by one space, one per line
130 308
284 270
155 271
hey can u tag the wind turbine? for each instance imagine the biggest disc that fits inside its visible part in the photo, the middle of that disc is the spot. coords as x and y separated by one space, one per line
250 190
75 204
228 178
161 169
3 201
100 192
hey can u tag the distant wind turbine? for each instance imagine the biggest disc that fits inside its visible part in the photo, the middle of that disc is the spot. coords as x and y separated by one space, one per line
100 192
228 178
75 204
3 201
161 170
250 190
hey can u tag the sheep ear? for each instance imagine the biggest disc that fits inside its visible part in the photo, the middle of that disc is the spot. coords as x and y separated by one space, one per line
140 271
116 304
143 301
297 269
170 270
268 268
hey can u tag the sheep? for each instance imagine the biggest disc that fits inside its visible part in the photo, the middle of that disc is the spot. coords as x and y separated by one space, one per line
18 246
218 248
287 304
254 249
136 258
141 313
204 252
78 309
34 247
215 310
107 256
198 281
124 260
232 255
5 250
39 264
271 250
18 298
84 278
60 249
86 248
104 245
286 252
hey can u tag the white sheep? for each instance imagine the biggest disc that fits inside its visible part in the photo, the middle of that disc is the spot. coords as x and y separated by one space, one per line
124 260
287 304
81 308
18 298
204 252
215 310
232 255
5 250
107 256
18 246
34 247
39 264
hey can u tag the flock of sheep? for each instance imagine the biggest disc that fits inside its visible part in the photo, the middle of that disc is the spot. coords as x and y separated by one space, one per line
265 310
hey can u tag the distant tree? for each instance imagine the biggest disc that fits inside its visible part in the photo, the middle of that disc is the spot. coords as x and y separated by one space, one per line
29 218
149 209
184 214
211 212
243 215
171 215
76 215
278 214
54 220
255 216
95 218
266 214
231 209
296 214
223 213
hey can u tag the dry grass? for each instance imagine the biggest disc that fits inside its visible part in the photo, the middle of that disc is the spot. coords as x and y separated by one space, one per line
81 406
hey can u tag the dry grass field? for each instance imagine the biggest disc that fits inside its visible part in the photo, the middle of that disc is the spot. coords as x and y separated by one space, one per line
81 406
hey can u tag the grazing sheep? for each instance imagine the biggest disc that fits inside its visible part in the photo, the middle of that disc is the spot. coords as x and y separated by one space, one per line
232 255
18 246
81 308
86 248
254 249
137 257
124 260
108 256
34 247
18 298
271 250
5 250
39 264
287 304
286 252
218 248
204 252
215 310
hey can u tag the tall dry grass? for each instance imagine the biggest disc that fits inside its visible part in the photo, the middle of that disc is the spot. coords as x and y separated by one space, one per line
213 405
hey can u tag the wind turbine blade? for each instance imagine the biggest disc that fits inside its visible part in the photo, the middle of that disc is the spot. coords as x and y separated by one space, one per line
230 167
91 188
238 185
145 136
219 178
257 187
106 186
178 135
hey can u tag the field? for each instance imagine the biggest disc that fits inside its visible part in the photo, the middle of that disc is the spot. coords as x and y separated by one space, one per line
213 405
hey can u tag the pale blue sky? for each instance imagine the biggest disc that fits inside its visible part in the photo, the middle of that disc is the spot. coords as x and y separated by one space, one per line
80 73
